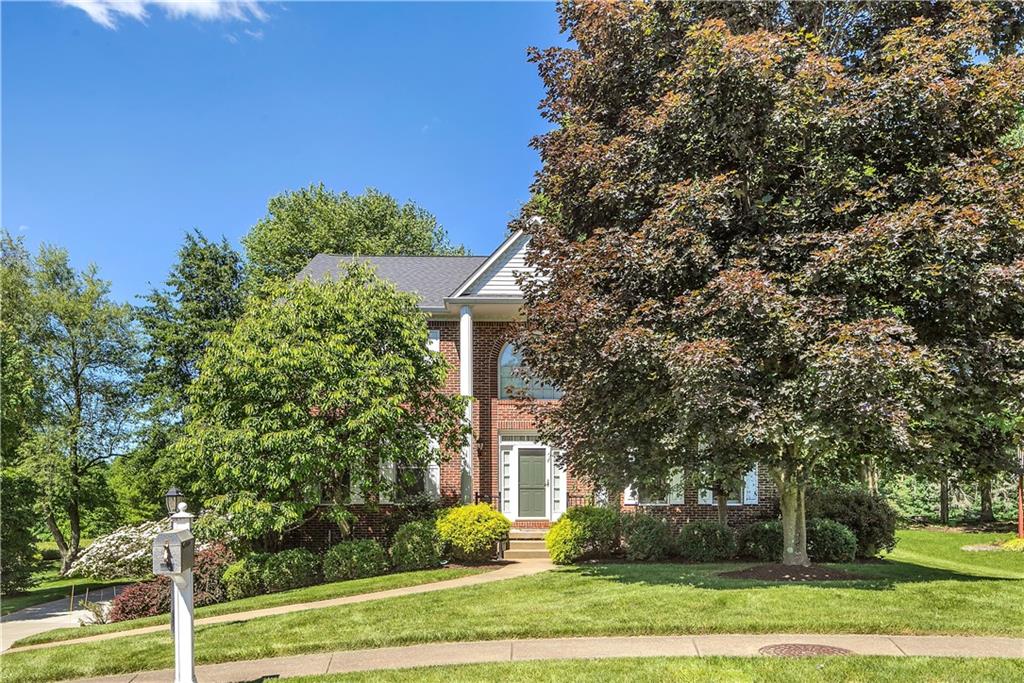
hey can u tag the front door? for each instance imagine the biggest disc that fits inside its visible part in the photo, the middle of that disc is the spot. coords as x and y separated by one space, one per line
532 482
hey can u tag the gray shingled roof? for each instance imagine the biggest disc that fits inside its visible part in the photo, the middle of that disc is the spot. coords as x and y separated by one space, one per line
431 277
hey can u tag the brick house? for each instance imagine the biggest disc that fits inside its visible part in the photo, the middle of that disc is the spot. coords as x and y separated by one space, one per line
472 304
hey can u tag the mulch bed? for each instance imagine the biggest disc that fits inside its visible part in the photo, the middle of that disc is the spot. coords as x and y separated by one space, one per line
782 572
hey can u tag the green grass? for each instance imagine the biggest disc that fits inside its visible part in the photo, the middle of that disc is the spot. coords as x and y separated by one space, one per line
928 586
51 587
719 669
299 595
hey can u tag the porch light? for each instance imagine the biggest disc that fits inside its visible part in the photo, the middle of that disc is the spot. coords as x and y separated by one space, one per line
172 498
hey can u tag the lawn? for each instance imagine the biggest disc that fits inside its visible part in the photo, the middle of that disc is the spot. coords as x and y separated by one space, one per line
719 669
928 586
325 591
51 587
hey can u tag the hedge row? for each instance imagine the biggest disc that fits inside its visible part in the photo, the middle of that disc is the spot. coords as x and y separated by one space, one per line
589 532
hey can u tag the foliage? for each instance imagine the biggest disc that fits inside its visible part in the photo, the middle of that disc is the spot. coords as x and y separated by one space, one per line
761 541
289 569
17 542
788 236
315 389
85 354
356 559
416 546
144 599
125 552
647 538
871 519
602 528
566 541
1014 545
830 541
208 574
244 578
20 401
470 532
313 220
706 542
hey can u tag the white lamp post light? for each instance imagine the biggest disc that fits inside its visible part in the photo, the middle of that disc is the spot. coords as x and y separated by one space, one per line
173 555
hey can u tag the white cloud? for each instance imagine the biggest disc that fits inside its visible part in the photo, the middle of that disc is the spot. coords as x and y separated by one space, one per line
108 12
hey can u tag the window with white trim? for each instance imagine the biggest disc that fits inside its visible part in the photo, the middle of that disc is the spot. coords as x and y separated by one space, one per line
514 380
742 492
434 340
670 494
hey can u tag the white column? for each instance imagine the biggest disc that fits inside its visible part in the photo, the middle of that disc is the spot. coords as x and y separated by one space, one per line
181 606
466 389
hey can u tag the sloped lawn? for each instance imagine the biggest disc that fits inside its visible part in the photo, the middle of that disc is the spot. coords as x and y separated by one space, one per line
928 586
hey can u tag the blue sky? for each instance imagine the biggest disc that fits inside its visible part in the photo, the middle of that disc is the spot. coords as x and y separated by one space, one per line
121 132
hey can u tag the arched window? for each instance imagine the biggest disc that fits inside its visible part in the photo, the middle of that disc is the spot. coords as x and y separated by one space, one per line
514 381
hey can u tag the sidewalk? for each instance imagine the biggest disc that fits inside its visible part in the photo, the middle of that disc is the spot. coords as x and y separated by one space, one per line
478 652
47 616
509 571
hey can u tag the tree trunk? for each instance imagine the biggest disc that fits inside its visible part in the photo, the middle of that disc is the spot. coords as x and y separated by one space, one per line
869 473
62 543
794 522
987 515
944 501
722 499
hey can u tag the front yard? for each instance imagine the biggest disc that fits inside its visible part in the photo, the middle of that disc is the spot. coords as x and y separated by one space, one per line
927 586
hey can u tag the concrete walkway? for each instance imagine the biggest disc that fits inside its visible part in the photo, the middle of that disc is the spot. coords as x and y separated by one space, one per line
48 616
477 652
508 571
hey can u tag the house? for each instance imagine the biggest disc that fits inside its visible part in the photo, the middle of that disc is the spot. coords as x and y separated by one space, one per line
472 304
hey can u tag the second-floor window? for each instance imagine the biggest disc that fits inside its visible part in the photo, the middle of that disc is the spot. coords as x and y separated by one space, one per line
514 380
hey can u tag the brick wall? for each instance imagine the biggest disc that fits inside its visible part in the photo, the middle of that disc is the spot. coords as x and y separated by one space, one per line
767 507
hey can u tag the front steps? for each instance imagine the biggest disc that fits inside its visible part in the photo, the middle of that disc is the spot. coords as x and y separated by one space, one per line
526 544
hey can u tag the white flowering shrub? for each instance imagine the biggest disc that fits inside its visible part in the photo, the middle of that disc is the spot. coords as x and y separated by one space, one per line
127 552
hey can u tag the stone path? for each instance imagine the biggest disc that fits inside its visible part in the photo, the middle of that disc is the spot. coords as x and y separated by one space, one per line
48 616
477 652
509 571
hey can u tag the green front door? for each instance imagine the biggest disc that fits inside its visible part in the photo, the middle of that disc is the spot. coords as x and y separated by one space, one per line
532 482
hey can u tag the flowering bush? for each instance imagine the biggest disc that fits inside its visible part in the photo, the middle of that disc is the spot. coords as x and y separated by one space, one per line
128 551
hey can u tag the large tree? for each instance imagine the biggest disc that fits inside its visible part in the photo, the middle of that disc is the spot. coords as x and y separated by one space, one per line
301 224
774 231
85 347
315 392
202 295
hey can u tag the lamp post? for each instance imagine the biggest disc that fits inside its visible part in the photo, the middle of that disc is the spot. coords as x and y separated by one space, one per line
1020 491
173 553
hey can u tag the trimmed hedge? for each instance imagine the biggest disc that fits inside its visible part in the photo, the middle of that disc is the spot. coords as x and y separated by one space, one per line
602 528
827 541
289 569
355 560
566 541
470 532
647 538
416 546
244 578
706 542
869 516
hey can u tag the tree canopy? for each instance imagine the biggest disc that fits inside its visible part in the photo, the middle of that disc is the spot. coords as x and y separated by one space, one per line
774 232
316 389
301 224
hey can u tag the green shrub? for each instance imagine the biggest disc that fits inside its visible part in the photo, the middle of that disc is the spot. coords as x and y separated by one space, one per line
830 541
17 542
415 546
291 569
1014 544
869 516
647 538
601 526
761 541
355 560
244 578
566 541
706 542
470 532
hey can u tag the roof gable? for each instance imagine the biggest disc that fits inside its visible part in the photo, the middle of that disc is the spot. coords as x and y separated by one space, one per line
497 276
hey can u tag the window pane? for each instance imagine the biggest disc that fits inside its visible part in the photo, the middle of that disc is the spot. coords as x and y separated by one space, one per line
511 382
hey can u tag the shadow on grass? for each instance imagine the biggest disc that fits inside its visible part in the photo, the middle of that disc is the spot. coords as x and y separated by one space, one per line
881 575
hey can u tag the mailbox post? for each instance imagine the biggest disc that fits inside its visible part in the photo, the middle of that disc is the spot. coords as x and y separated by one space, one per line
173 554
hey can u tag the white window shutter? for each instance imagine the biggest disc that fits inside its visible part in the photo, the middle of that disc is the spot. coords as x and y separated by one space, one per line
387 475
433 480
629 496
705 497
434 340
675 487
355 494
750 487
